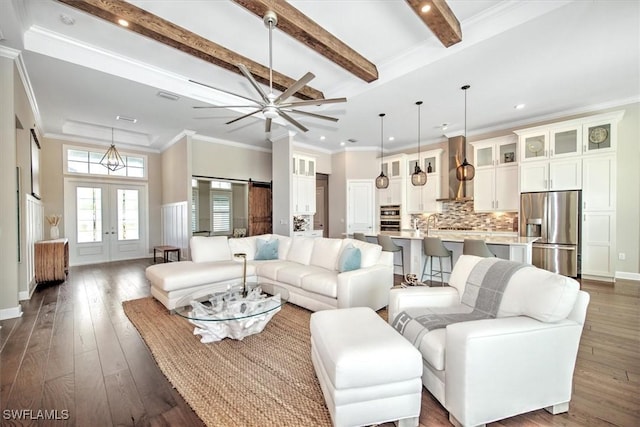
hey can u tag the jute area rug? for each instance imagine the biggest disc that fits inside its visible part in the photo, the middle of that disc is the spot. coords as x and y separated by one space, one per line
265 379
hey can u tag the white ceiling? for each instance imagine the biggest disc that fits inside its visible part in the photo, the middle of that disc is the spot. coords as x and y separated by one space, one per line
557 57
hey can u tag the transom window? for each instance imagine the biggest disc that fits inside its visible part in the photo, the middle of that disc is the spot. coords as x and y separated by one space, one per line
87 162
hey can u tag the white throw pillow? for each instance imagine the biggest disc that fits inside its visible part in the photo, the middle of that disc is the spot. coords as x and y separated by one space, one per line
540 294
207 249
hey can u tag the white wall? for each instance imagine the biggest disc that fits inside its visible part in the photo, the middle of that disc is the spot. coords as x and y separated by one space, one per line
282 150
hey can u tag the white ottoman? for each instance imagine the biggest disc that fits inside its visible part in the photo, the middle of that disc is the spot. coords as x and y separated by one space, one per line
369 373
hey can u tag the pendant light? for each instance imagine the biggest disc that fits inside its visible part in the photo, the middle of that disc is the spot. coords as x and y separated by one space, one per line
382 181
112 160
418 177
466 171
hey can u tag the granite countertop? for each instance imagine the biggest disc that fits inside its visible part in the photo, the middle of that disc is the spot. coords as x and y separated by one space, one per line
495 238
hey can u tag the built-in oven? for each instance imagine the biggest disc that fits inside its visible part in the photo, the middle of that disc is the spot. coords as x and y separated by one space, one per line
390 218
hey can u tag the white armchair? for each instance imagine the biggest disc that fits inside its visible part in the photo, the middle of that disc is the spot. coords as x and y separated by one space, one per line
523 360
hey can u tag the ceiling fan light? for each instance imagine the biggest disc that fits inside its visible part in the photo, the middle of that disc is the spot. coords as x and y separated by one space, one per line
466 171
382 181
270 113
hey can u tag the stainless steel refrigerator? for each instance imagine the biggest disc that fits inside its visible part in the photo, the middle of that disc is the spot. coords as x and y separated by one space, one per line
553 216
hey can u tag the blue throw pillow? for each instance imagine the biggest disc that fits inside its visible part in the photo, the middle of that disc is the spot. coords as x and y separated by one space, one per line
267 249
350 259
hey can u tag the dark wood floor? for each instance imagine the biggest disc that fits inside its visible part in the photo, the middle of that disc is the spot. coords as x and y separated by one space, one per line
74 350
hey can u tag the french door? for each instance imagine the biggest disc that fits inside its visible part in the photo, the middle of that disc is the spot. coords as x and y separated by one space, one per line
105 221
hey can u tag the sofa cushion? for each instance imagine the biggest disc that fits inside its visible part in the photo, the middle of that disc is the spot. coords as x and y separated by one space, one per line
300 250
269 269
293 274
350 259
206 249
246 245
322 283
267 249
540 294
433 347
370 252
172 276
325 252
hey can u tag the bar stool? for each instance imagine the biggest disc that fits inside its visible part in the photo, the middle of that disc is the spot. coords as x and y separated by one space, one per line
360 236
388 246
476 247
433 247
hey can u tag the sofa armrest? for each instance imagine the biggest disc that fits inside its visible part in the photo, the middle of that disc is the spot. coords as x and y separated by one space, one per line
496 368
421 296
365 287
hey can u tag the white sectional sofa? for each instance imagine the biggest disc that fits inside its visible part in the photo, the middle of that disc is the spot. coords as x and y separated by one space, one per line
490 369
307 267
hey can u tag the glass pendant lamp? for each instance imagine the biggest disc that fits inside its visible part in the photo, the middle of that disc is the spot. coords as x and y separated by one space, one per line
466 171
382 181
418 177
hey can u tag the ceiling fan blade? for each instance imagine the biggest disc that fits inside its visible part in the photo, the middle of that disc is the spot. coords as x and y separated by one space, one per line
317 116
224 106
242 117
314 102
292 121
267 125
253 82
224 91
294 88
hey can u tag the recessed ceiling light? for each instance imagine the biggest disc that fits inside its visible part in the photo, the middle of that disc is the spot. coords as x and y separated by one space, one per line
342 143
123 22
426 8
391 138
519 106
167 95
322 137
66 19
127 119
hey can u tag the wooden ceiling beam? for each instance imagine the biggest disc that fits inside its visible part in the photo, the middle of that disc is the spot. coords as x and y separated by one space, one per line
440 20
305 30
163 31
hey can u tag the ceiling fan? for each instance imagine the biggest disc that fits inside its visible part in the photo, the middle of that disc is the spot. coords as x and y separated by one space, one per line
270 104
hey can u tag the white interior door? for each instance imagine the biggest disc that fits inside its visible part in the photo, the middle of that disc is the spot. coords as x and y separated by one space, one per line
360 203
105 222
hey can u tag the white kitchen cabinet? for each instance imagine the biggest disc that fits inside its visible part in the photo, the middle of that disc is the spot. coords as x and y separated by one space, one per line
599 136
304 195
304 165
421 199
534 145
565 141
556 175
598 193
393 166
392 195
496 190
495 187
598 244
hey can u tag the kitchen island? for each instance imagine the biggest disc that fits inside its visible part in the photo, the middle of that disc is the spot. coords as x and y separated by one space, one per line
506 245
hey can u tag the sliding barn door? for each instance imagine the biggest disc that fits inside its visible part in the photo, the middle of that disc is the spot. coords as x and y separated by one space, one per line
260 212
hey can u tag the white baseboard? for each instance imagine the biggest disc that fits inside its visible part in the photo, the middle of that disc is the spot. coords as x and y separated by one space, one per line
627 276
10 313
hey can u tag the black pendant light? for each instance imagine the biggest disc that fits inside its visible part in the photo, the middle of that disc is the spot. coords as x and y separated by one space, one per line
382 181
418 177
466 171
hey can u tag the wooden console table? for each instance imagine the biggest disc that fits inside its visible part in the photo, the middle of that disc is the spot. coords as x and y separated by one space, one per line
51 260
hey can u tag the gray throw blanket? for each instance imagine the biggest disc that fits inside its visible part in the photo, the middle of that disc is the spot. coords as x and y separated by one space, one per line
480 300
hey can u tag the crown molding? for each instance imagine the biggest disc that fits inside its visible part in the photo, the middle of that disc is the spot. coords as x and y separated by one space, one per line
218 141
8 52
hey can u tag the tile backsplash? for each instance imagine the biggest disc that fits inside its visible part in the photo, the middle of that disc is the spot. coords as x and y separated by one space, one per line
457 215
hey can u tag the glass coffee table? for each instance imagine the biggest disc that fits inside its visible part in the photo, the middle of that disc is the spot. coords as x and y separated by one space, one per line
234 313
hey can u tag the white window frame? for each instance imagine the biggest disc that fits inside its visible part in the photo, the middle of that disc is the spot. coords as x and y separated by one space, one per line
228 193
65 169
